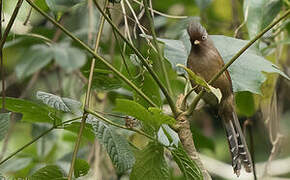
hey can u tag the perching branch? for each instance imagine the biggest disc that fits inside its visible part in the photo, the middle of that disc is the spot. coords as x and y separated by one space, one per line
233 59
91 51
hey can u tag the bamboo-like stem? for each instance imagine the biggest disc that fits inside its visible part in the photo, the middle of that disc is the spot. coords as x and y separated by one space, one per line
142 59
87 99
118 73
118 125
35 139
159 52
233 59
2 42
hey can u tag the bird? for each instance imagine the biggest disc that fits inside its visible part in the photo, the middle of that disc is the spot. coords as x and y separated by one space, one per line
205 61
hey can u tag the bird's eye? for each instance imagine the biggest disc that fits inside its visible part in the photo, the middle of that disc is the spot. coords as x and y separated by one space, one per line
203 37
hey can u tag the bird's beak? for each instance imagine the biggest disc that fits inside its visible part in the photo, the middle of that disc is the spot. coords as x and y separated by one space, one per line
196 42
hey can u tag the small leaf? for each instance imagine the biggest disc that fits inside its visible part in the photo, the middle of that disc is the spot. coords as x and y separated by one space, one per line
63 104
32 112
200 81
160 118
81 168
152 116
117 146
4 124
150 164
134 109
48 173
188 167
88 131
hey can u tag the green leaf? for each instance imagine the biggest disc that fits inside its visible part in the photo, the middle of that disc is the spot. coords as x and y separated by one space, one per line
202 4
59 103
200 140
188 167
150 164
61 5
117 146
4 124
88 131
15 165
32 112
245 103
81 168
152 116
147 84
200 81
259 14
161 118
69 58
33 60
48 173
134 109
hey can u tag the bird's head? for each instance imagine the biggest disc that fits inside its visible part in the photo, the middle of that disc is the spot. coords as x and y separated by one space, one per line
197 33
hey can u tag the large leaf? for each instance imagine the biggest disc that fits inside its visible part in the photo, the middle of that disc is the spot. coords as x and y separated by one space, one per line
259 14
246 72
48 173
32 112
88 131
4 124
188 167
33 60
150 164
152 116
81 168
15 165
38 56
59 103
117 146
69 58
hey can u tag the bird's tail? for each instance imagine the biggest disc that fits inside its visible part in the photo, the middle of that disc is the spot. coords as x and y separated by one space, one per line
233 145
244 153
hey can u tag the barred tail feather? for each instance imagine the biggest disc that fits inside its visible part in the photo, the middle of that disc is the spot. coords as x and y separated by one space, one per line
233 145
244 153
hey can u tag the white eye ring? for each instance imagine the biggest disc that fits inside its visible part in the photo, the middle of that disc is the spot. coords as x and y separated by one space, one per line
204 37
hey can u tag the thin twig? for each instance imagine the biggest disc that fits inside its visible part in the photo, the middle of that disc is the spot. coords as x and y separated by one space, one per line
38 137
118 125
2 65
139 24
143 60
159 52
162 14
233 59
118 73
119 46
87 99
